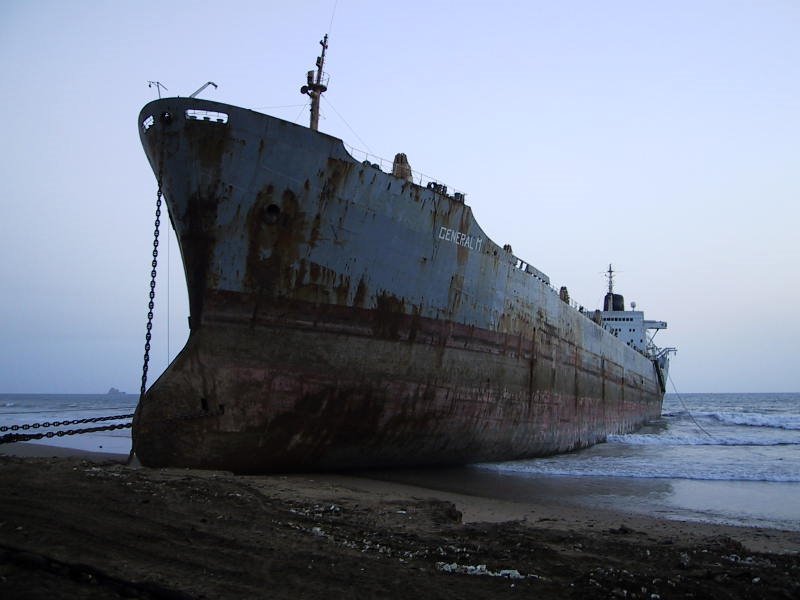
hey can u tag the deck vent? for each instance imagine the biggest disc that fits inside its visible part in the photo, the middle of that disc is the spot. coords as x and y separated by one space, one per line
210 116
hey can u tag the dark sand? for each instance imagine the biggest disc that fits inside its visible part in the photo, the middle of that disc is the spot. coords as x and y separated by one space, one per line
86 526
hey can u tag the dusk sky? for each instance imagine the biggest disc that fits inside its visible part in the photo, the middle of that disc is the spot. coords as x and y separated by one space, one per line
662 137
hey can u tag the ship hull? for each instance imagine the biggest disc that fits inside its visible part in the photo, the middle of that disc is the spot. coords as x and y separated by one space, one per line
344 318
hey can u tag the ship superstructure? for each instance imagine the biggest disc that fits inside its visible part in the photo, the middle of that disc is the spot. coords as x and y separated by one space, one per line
629 326
633 329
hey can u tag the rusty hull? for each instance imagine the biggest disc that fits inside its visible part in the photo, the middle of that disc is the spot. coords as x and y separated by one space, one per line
342 317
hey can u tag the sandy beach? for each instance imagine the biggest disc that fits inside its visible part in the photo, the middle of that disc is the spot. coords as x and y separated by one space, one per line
86 526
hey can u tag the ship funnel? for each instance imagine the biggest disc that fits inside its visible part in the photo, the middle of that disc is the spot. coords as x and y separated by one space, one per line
613 302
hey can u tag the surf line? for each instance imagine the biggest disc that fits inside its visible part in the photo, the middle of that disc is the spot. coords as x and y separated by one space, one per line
460 239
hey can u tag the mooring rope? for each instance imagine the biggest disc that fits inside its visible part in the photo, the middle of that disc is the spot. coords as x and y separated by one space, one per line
686 408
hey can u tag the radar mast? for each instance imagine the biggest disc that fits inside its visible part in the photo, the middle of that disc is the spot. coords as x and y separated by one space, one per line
610 277
316 84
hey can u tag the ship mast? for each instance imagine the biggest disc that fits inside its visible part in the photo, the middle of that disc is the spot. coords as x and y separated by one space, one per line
610 276
315 85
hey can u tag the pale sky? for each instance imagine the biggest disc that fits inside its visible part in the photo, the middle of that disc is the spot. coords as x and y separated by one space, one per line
663 137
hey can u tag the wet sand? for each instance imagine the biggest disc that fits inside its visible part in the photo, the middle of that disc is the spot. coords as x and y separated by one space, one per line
86 526
744 503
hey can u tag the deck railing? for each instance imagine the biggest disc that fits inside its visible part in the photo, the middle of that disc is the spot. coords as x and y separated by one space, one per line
418 177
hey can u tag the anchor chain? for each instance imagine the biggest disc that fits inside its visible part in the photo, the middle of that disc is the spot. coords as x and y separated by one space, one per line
47 424
23 437
10 438
165 118
151 304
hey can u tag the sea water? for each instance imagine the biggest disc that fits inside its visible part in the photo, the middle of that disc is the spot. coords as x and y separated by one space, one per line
727 458
19 409
725 437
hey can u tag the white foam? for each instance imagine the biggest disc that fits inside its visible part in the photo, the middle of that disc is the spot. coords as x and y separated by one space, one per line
605 467
701 439
777 421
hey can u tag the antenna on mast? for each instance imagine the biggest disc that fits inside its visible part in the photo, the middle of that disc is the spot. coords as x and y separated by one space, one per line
317 83
610 277
159 87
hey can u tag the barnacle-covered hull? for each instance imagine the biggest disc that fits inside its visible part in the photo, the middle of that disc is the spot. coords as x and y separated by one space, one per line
342 317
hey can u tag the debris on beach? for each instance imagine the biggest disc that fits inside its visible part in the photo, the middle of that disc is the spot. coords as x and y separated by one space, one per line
482 570
188 534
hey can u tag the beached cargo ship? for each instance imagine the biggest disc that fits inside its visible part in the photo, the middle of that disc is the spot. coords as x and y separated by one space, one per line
343 316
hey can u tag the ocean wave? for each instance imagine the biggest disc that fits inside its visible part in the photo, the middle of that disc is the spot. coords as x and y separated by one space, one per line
776 421
746 419
674 413
640 470
699 439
